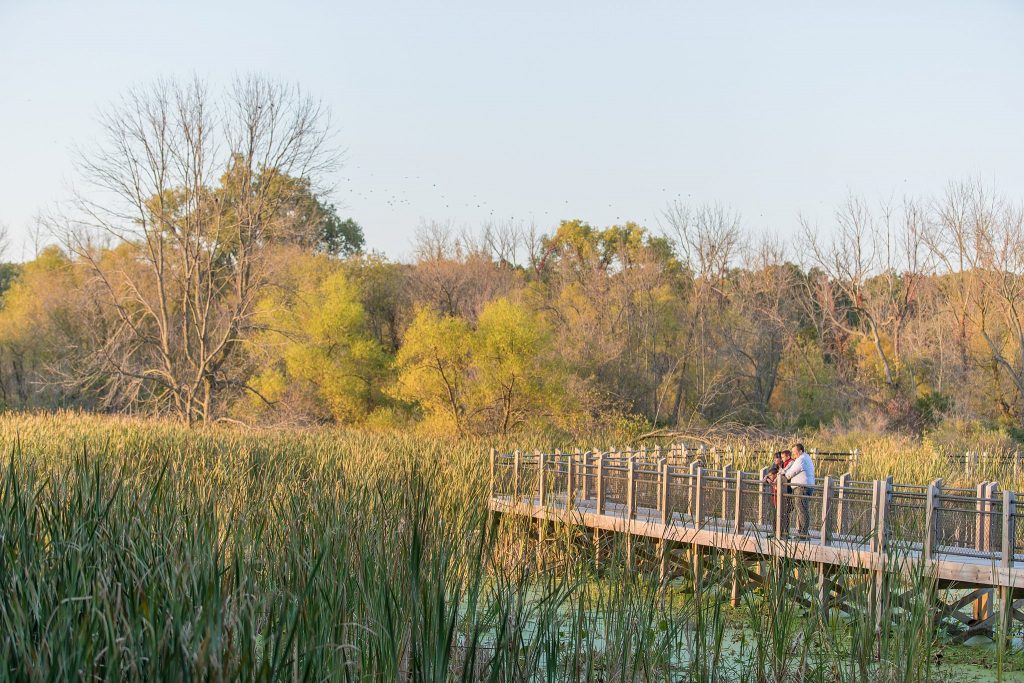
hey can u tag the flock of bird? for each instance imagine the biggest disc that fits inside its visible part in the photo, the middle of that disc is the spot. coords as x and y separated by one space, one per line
367 191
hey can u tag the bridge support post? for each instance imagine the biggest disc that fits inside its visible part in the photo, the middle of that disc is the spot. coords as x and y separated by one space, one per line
882 491
630 512
1008 550
734 593
987 492
824 593
542 491
631 489
600 484
666 516
698 522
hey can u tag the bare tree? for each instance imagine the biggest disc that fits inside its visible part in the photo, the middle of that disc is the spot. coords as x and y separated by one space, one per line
765 311
708 240
174 219
454 272
979 239
871 273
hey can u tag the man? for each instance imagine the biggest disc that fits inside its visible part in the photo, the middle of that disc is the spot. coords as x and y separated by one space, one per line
800 475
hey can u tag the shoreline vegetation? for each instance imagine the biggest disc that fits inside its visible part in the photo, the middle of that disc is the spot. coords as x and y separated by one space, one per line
138 549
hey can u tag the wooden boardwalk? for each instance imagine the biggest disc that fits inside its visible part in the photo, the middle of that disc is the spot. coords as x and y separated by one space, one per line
969 539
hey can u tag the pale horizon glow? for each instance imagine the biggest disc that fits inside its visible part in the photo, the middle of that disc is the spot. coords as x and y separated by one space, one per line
538 112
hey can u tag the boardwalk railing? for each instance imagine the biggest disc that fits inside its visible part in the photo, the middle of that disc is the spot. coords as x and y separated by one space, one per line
718 456
974 461
975 528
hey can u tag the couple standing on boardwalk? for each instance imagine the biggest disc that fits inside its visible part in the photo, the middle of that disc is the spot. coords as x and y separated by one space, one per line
797 469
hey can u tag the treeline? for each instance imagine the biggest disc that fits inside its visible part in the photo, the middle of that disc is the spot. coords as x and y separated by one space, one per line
203 275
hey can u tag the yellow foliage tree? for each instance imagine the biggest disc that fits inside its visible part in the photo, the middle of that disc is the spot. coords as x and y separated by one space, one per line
491 379
320 356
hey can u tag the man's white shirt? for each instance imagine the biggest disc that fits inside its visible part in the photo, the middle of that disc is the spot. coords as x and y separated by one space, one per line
801 471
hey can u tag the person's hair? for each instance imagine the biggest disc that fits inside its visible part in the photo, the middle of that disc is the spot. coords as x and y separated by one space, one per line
787 452
799 447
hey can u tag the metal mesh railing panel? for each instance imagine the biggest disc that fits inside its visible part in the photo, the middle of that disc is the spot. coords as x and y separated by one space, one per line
680 496
907 515
854 514
964 526
613 484
646 487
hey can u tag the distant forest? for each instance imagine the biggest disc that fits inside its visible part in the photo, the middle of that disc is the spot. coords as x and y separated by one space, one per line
203 274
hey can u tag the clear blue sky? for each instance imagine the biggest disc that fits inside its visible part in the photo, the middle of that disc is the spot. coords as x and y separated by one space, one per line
464 112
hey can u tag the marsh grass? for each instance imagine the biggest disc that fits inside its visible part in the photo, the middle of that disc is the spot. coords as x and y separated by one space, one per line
134 550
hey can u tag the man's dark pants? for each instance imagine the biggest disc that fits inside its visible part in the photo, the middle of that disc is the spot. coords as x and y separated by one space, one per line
802 497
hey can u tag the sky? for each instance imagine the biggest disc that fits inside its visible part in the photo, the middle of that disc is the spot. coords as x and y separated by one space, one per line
469 112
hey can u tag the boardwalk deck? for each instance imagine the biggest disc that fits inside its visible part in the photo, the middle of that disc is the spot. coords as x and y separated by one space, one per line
969 538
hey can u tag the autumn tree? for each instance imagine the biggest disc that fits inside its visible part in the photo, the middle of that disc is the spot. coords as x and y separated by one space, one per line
866 284
47 320
433 367
193 189
315 359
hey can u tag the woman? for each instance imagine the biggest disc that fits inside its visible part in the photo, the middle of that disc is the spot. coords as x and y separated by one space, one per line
780 462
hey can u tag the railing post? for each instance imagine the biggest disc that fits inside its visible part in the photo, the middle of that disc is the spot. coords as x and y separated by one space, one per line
630 486
698 499
992 494
781 503
762 496
586 474
738 507
1009 527
931 516
841 503
663 482
516 462
600 483
726 475
542 479
691 490
569 482
826 503
883 489
981 492
494 483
